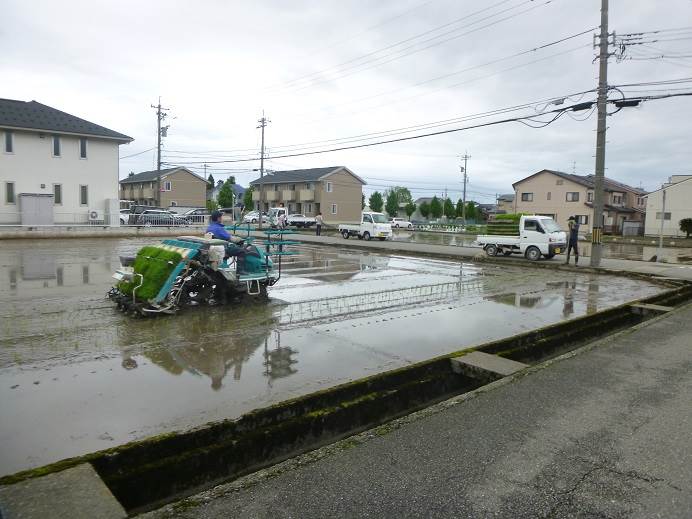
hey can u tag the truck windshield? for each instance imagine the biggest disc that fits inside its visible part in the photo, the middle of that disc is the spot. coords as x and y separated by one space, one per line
379 218
550 225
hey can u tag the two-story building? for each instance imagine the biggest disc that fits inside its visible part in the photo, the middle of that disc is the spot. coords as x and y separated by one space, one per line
172 187
56 168
561 195
336 192
678 205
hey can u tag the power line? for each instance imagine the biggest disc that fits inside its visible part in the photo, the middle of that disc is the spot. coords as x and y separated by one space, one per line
348 71
464 70
289 83
138 153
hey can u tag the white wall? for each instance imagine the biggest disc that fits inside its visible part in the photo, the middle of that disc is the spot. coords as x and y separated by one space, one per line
32 164
678 203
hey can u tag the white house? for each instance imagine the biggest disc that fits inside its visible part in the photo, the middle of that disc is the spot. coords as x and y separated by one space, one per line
55 167
678 191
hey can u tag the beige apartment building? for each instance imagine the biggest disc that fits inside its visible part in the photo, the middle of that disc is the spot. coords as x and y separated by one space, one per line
561 195
334 191
180 187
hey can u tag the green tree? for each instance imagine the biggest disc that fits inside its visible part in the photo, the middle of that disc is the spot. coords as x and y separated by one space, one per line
362 201
247 198
686 226
450 211
435 207
410 209
460 208
376 202
425 209
227 195
210 186
392 204
471 210
212 205
403 195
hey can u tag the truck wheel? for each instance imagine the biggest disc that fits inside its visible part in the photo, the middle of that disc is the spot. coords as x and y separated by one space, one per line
366 236
533 253
506 252
491 250
345 234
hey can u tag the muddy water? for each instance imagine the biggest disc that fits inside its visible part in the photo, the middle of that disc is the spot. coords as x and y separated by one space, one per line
630 251
77 376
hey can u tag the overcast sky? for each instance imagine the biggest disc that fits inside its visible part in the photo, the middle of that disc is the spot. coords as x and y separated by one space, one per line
325 70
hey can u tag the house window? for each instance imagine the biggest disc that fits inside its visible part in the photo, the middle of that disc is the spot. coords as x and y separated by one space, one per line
329 189
167 185
57 194
308 185
617 199
83 195
589 196
548 195
56 146
292 187
527 197
572 196
309 208
9 142
9 193
82 148
276 187
333 208
559 182
582 219
174 203
665 216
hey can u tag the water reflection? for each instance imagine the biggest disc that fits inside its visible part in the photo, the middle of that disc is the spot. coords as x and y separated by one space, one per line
211 342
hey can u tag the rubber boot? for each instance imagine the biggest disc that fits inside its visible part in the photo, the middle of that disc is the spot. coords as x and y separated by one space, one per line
576 260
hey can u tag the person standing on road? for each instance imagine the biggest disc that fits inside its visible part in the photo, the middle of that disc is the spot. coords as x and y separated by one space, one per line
572 237
318 224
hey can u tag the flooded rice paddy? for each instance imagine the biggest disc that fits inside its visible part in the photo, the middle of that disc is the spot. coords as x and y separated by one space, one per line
77 376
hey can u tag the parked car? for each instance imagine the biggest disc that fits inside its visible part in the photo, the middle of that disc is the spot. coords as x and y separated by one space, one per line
300 220
198 216
253 217
124 216
400 222
152 217
135 211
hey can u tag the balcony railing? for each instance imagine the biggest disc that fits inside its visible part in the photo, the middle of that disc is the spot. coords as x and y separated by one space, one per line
307 195
288 195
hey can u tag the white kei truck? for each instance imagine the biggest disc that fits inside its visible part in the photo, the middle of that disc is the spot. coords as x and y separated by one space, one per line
537 236
372 225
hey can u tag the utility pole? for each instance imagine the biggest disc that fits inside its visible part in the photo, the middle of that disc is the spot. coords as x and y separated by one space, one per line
262 124
162 131
466 157
659 253
597 232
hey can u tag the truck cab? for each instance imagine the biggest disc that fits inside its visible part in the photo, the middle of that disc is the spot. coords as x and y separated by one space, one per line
275 213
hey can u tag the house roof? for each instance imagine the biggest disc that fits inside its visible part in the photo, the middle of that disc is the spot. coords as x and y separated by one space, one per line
32 115
670 187
419 201
587 181
148 176
303 175
506 198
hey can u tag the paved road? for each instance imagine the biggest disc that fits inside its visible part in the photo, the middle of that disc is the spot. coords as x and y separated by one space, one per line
603 432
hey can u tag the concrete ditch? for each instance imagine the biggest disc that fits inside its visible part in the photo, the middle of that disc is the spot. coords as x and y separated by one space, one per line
145 474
